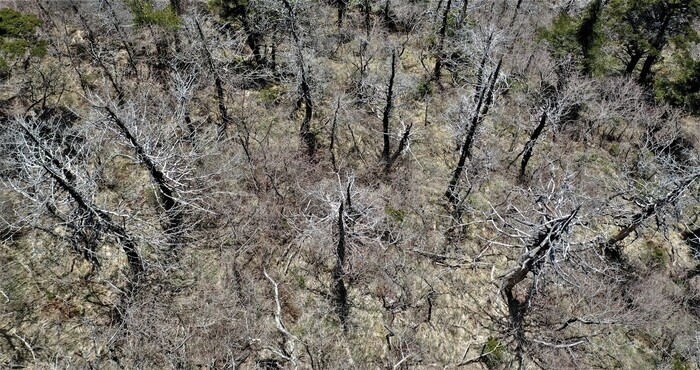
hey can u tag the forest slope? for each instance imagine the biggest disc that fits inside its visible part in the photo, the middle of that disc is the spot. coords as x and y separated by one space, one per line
371 184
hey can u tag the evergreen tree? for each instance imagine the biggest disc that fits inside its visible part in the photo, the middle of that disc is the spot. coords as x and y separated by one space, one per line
17 38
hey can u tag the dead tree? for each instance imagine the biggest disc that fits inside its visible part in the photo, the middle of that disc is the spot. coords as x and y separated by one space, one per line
441 42
177 6
287 345
308 138
484 60
387 110
388 16
403 144
342 8
530 263
95 48
183 85
126 43
167 195
218 83
482 108
527 152
340 292
612 248
367 14
234 11
43 164
387 157
334 126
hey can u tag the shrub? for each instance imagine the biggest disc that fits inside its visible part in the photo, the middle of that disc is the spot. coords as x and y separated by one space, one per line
17 38
679 85
493 353
145 13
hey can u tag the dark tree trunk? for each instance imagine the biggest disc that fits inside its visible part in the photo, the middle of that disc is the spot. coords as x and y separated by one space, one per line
334 126
516 12
527 153
586 35
612 249
308 138
225 119
518 304
387 111
635 57
441 43
479 113
465 152
252 39
177 6
340 292
482 63
191 129
128 245
646 69
94 45
367 11
125 43
463 12
167 197
388 16
342 8
658 45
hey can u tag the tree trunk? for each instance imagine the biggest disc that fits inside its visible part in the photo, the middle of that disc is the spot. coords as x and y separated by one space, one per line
225 119
340 292
518 304
94 45
463 12
482 63
388 17
586 35
387 110
402 145
177 6
167 197
657 45
125 43
128 245
634 60
367 11
646 69
611 248
342 7
308 138
252 39
441 43
527 153
469 138
307 135
331 146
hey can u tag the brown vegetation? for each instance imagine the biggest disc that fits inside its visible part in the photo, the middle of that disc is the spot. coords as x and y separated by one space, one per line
299 184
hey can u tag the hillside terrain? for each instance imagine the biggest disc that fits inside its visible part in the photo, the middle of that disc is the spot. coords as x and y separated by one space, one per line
350 184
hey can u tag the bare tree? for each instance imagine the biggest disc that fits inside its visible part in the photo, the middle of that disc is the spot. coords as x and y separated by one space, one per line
308 137
544 240
442 32
42 173
612 247
225 119
387 110
338 288
559 104
485 99
387 157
